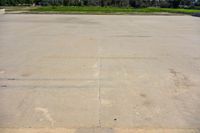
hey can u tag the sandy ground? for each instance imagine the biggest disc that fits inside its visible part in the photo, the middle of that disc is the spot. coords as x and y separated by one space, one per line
96 73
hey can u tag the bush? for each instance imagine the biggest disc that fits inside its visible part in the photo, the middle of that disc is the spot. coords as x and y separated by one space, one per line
164 4
197 7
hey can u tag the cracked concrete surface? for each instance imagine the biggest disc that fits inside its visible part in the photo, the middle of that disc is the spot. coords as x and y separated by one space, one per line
98 73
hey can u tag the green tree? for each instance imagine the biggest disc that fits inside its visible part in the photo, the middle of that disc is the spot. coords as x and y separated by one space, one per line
2 2
174 3
164 4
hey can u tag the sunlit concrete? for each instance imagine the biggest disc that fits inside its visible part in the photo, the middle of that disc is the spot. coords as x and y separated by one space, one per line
98 73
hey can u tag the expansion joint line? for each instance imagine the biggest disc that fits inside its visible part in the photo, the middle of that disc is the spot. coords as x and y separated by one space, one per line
99 89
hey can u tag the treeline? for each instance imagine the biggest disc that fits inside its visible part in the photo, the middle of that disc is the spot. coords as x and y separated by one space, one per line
15 2
117 3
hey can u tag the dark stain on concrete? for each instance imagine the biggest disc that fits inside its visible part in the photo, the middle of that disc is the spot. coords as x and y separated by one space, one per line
26 74
147 103
4 86
143 95
181 81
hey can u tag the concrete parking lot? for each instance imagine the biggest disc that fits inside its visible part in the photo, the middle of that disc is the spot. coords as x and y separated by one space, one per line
99 73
